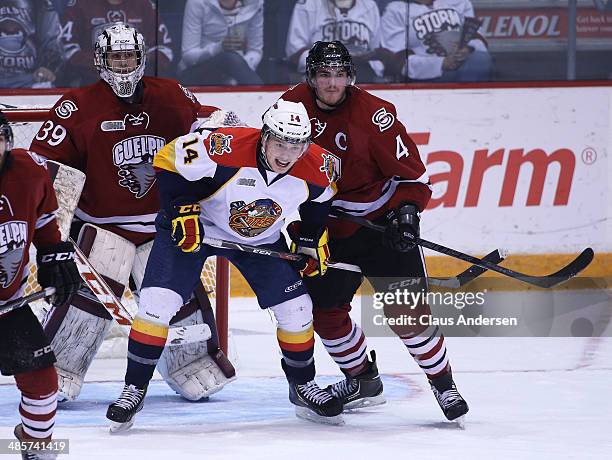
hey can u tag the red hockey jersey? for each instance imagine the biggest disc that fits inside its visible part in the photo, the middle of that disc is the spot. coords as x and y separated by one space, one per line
379 165
24 218
113 143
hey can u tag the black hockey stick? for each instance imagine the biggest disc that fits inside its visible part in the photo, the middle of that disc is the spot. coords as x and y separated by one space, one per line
455 282
18 303
569 271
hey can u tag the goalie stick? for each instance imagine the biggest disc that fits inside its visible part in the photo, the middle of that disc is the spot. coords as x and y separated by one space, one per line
176 335
20 302
455 282
547 281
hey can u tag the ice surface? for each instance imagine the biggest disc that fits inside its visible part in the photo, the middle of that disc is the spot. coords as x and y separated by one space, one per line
530 398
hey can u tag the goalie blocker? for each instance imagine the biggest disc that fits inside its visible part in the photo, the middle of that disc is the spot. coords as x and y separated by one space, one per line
194 370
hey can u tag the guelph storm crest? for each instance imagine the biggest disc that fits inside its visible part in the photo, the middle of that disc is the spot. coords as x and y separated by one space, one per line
13 236
134 158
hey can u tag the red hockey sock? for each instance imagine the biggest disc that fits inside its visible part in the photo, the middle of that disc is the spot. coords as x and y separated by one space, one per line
342 337
38 402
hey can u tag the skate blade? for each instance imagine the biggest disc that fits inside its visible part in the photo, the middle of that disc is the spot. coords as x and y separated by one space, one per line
307 414
460 422
366 402
118 427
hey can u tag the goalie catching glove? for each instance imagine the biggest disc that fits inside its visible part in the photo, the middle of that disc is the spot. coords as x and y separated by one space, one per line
312 243
56 268
187 230
402 228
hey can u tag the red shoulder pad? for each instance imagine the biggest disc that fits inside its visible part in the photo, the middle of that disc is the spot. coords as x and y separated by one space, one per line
233 147
317 167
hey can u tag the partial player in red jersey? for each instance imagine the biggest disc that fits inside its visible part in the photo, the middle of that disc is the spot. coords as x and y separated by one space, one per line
381 177
27 218
111 131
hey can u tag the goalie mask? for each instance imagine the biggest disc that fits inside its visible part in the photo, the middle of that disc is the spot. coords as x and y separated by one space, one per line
333 55
6 134
285 135
119 56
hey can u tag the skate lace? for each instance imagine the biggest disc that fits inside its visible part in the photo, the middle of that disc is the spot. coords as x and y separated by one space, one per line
130 397
449 397
344 388
312 392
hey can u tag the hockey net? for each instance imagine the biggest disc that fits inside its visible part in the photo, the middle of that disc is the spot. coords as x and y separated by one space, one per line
25 122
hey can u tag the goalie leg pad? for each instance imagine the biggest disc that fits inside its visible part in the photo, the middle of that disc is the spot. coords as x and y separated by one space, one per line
77 331
76 336
196 370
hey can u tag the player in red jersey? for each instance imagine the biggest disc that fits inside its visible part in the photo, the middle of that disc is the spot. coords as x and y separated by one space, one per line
110 131
382 178
27 218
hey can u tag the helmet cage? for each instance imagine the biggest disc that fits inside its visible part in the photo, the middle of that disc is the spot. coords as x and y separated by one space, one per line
122 39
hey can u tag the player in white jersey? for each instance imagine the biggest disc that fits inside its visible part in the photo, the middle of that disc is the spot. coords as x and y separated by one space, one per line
238 184
355 23
436 40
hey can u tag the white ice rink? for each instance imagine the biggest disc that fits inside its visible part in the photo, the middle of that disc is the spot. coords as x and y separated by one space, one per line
529 399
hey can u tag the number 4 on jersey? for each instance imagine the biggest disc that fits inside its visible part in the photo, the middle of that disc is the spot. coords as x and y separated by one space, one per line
400 148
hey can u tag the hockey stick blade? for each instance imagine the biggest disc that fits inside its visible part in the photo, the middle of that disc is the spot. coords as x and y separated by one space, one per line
18 303
471 273
546 281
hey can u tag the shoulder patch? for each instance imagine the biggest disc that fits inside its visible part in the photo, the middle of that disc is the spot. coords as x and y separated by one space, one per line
383 119
219 143
331 166
65 109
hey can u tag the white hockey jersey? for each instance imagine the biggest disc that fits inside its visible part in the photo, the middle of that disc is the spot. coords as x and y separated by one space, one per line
240 200
358 28
410 25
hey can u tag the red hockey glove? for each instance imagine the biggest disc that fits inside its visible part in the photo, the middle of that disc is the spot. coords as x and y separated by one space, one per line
187 230
314 245
56 268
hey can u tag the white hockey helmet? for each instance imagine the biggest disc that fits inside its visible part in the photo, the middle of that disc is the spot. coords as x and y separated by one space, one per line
120 57
288 121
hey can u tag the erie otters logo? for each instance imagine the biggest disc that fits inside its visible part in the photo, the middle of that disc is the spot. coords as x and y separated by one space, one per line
331 167
13 238
220 143
251 219
134 158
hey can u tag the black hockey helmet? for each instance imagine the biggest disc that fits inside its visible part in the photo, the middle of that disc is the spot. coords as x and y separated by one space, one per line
329 54
7 132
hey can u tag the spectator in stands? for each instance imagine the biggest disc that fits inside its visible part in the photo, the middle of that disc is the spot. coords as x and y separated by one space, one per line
355 23
30 50
83 20
222 42
435 40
